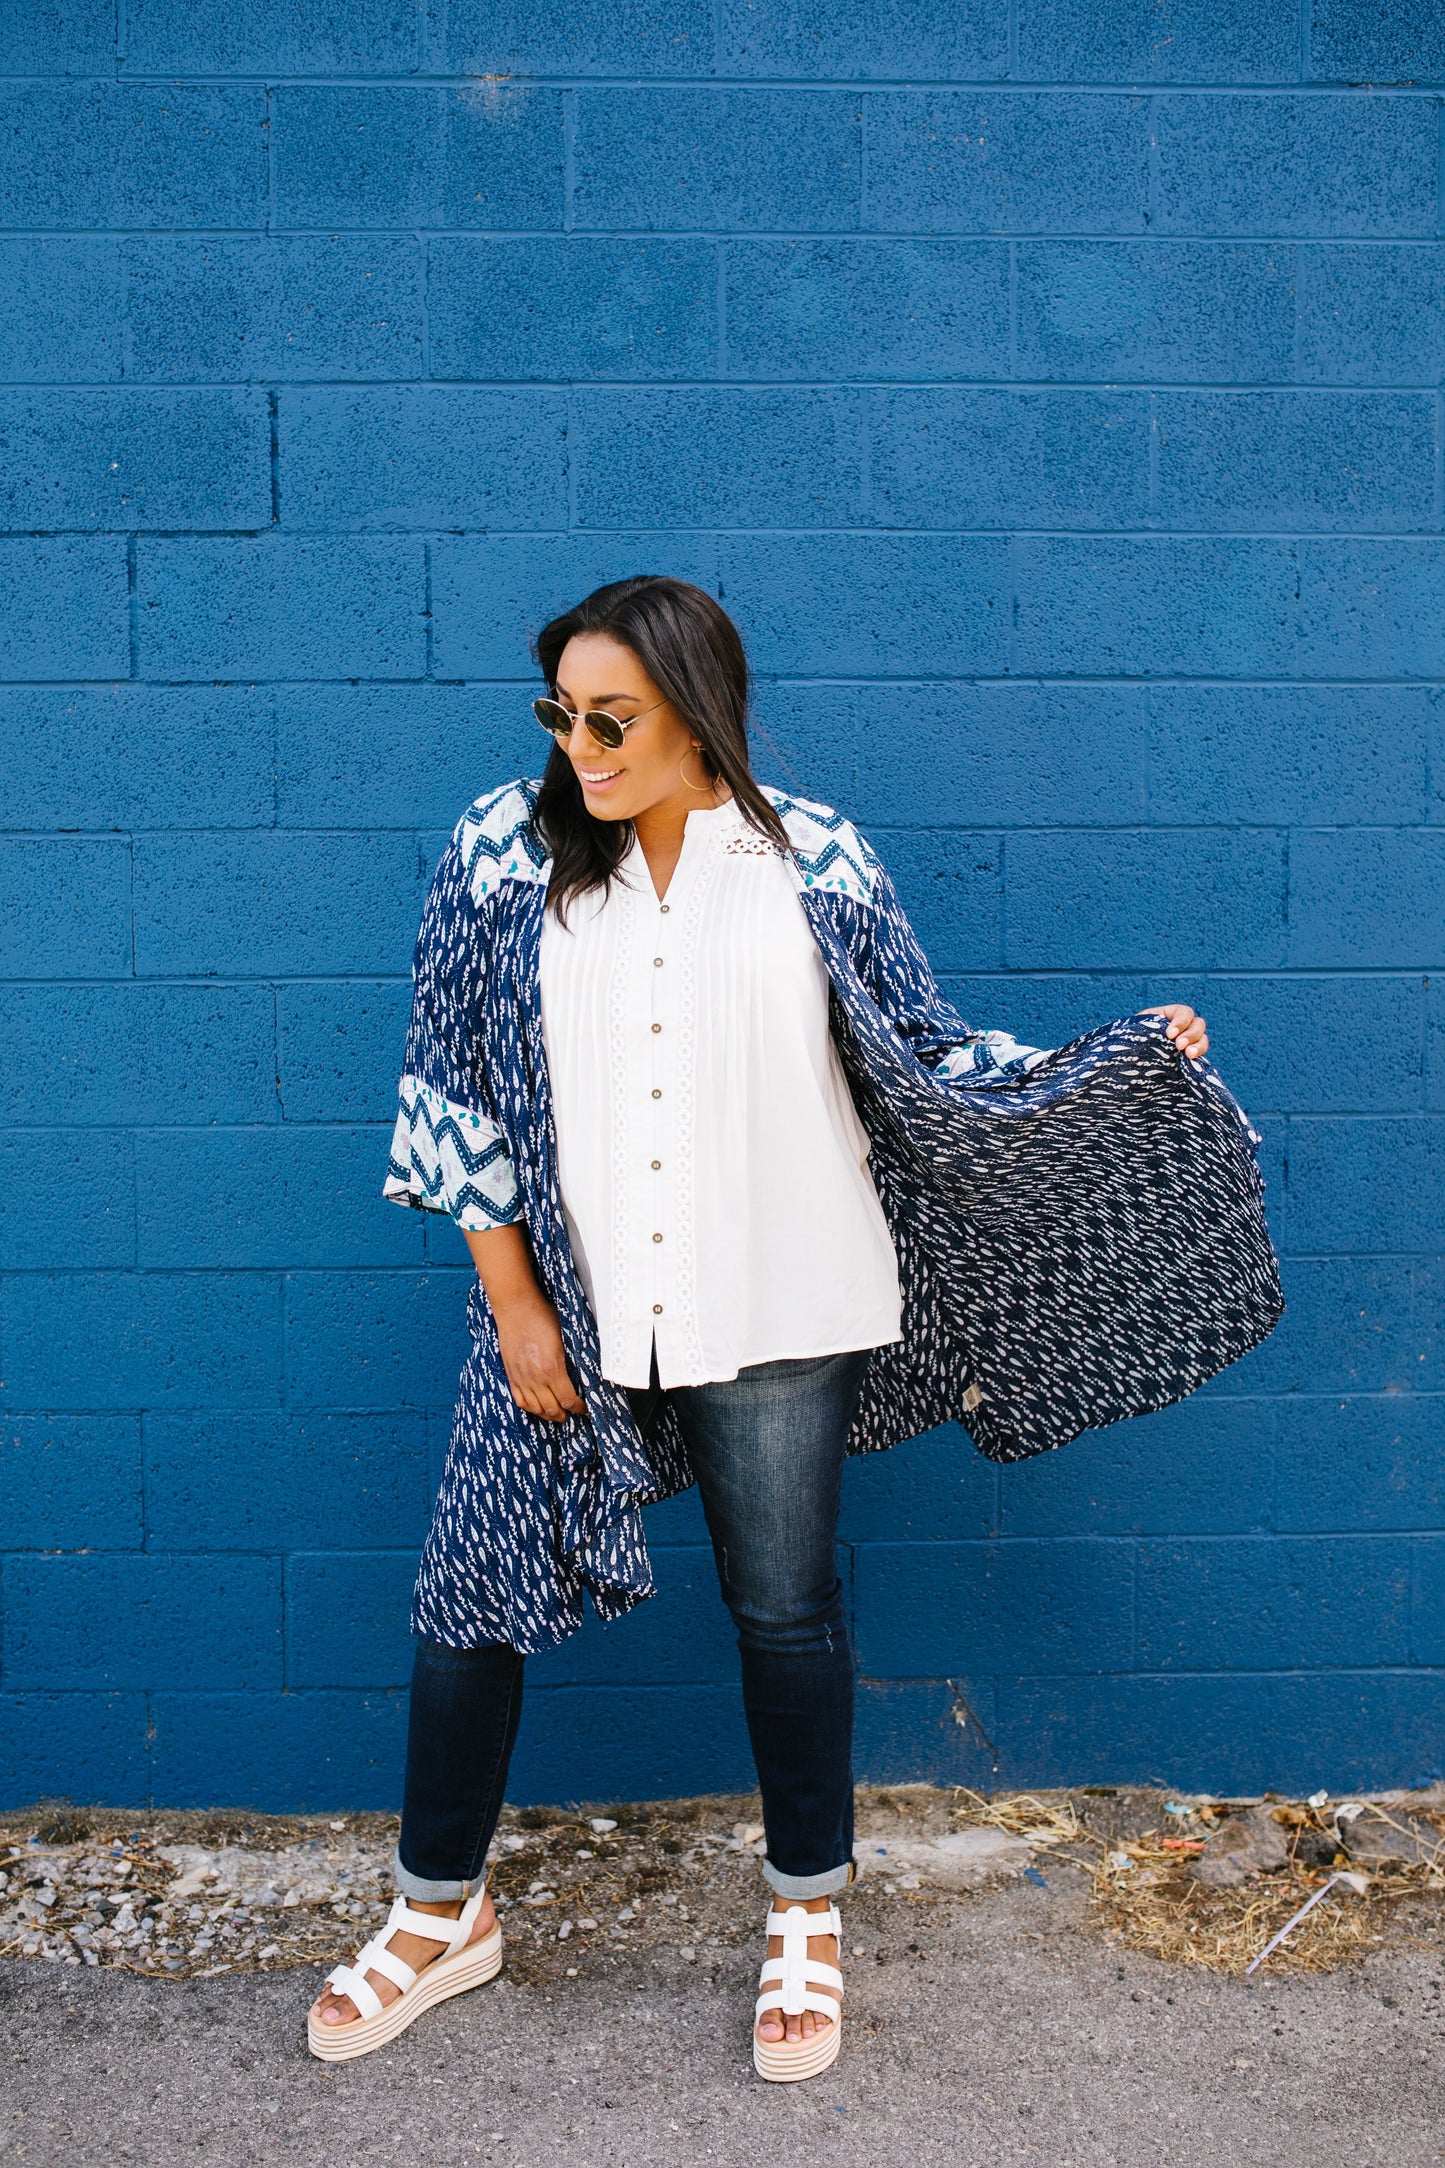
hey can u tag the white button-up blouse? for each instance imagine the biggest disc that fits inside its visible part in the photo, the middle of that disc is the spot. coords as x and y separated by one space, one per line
713 1170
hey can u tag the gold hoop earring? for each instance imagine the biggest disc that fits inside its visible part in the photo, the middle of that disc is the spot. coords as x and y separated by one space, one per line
699 787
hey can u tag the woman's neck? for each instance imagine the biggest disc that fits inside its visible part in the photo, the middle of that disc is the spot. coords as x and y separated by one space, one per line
662 828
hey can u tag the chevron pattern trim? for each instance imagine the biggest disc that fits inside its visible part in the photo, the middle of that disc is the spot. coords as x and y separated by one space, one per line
829 853
495 839
446 1158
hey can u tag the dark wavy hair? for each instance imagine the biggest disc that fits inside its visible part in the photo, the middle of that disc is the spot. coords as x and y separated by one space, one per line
693 652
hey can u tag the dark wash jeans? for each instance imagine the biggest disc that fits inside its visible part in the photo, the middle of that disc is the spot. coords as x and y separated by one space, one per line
767 1449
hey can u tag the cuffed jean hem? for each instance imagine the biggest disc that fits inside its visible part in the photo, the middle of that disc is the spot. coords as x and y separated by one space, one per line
809 1885
433 1893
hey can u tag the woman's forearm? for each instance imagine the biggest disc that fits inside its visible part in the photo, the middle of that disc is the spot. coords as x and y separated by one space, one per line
528 1334
503 1258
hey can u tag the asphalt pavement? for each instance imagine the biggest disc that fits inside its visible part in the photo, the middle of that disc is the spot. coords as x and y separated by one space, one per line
982 2031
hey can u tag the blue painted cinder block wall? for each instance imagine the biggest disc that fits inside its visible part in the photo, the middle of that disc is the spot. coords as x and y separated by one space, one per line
1053 391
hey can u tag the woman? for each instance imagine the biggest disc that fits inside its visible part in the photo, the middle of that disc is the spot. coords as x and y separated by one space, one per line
743 1193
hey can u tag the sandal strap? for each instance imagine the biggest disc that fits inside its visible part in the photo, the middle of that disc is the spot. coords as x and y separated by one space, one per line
376 1957
823 2004
794 1974
816 1975
820 1923
434 1928
344 1981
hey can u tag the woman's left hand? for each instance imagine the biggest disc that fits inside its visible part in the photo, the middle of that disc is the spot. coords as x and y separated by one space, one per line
1185 1028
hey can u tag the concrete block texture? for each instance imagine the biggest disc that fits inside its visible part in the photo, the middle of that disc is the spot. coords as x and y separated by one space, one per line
1317 167
718 458
135 459
124 756
1156 311
852 307
1141 606
421 458
65 907
490 595
204 904
1134 41
1051 393
1011 458
64 610
718 161
1372 315
67 1208
268 309
109 155
981 162
284 1481
629 37
864 40
116 1621
381 156
59 37
1356 43
1300 460
71 1483
264 37
509 309
280 606
122 1052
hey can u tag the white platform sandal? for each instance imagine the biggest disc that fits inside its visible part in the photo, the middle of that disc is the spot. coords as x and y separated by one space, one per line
790 1984
461 1965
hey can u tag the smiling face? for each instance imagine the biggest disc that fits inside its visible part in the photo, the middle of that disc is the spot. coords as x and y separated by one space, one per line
645 772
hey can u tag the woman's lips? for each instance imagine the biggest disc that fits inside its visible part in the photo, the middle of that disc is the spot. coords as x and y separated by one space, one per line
603 780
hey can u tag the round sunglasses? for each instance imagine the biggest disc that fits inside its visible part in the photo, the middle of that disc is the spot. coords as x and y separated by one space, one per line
608 730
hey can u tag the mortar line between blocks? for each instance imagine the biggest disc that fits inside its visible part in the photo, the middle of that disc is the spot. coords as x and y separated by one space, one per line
1153 457
1440 170
1151 215
120 34
1013 311
1440 458
571 463
722 309
132 607
1011 35
424 303
1146 780
1298 256
1305 27
270 159
1134 1549
864 106
427 608
569 159
273 409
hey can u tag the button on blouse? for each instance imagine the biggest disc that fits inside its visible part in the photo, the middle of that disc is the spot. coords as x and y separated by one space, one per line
713 1170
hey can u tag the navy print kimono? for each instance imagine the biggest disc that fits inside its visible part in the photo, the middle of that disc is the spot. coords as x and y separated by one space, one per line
1080 1233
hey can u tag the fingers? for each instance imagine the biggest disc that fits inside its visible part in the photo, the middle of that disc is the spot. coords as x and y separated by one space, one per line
1186 1029
551 1397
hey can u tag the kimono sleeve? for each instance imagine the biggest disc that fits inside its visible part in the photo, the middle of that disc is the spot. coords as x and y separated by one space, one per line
890 961
447 1152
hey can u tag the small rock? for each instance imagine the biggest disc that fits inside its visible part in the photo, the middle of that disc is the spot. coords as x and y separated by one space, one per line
964 1859
1248 1843
599 1825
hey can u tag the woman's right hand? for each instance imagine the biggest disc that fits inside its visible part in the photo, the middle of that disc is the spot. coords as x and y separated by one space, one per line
535 1359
